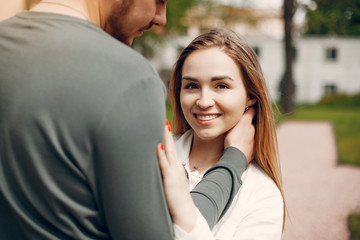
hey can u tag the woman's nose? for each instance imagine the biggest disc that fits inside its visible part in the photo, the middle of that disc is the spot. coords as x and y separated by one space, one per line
205 100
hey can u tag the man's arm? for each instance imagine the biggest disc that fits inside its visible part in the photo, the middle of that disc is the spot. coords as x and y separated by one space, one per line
128 176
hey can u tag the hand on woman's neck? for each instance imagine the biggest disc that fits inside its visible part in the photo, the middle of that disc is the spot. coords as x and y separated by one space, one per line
85 9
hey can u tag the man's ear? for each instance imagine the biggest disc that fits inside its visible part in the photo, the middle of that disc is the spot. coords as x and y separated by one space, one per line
250 102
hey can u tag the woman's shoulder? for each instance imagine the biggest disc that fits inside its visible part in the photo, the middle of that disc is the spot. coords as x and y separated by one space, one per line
260 185
255 172
257 210
258 198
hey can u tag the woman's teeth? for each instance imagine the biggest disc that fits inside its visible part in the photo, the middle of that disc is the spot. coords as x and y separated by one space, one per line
207 117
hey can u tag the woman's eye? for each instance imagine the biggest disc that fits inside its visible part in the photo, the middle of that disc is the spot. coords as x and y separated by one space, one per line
222 86
190 86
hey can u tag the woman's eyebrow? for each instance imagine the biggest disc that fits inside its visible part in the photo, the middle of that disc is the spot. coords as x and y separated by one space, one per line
189 78
216 78
223 77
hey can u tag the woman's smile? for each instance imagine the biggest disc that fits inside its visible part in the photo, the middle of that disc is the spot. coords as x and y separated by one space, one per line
206 119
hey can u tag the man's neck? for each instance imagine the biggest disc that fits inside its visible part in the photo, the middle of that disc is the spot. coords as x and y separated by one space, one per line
84 9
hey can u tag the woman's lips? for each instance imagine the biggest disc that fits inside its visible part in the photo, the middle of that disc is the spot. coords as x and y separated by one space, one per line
206 118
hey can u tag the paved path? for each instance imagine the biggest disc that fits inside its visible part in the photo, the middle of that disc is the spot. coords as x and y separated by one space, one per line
320 193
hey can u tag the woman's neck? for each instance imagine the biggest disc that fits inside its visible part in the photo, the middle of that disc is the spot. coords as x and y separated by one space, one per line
205 153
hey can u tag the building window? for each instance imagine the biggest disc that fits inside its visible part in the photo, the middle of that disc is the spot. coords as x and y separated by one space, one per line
331 54
256 50
330 89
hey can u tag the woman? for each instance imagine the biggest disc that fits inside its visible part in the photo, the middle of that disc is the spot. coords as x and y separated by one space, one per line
215 80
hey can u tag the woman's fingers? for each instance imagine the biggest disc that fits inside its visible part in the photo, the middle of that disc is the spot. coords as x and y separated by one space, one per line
166 152
180 204
170 148
163 162
242 135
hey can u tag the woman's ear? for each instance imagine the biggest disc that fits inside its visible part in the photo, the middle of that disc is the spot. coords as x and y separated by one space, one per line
250 102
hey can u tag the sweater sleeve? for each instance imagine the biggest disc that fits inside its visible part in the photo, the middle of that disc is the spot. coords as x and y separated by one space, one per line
214 194
128 177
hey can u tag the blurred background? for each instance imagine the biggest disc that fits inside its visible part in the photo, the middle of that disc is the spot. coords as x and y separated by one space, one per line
309 51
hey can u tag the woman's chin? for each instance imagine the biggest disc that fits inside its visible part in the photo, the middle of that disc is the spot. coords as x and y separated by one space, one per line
209 135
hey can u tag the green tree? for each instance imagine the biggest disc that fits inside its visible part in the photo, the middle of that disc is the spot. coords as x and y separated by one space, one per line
176 12
334 17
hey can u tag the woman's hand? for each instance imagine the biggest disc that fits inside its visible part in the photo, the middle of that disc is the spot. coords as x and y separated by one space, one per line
180 204
242 135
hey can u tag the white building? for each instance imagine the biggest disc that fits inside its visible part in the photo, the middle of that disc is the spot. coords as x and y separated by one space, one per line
326 65
322 65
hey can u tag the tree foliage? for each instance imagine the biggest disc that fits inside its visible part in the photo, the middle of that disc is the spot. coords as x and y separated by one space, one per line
176 12
334 17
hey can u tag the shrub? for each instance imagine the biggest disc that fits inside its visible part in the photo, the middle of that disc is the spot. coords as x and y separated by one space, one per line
340 100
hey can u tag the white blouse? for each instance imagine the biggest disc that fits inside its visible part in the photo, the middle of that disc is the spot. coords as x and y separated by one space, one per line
255 213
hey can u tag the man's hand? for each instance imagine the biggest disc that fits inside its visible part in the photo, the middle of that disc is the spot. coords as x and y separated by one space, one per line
242 135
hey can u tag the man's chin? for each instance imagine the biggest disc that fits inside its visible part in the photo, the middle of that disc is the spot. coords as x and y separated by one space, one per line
126 40
129 41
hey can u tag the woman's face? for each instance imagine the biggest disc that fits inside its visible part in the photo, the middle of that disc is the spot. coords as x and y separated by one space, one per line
213 96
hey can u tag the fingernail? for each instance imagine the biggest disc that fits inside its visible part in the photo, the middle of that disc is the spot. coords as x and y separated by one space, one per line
162 146
167 122
169 128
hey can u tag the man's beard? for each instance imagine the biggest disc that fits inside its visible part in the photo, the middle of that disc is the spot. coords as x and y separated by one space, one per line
114 25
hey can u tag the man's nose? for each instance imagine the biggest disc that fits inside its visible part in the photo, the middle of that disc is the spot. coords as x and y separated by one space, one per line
160 16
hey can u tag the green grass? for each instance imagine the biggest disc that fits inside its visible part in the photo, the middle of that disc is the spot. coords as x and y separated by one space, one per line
346 122
354 225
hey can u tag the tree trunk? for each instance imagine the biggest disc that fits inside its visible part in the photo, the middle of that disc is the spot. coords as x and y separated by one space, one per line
287 84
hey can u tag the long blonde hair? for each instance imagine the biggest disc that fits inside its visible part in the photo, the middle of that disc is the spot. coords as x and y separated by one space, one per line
266 147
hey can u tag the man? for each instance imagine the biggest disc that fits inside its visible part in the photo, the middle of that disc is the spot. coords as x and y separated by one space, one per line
80 117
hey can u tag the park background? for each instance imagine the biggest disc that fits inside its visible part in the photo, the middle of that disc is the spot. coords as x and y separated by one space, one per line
309 51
